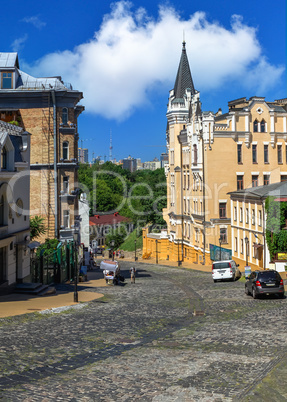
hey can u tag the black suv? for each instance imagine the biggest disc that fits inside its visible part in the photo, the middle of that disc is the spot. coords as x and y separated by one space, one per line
264 283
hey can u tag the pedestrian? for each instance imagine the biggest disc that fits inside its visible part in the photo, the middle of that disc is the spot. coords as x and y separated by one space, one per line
133 274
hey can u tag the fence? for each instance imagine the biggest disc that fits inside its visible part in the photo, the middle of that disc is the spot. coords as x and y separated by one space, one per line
56 267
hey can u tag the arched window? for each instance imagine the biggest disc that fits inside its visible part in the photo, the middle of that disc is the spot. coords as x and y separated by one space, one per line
2 210
65 150
65 115
262 126
4 158
255 126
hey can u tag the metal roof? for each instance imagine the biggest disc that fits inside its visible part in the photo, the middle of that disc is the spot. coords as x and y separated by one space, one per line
9 60
26 81
183 79
274 189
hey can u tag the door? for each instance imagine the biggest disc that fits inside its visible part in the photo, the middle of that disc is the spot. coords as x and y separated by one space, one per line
3 265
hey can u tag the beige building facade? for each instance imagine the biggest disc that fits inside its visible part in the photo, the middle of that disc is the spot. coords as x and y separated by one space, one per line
210 155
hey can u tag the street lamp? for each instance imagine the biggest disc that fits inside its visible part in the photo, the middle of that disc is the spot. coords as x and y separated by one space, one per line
76 267
112 246
247 247
135 249
156 257
220 241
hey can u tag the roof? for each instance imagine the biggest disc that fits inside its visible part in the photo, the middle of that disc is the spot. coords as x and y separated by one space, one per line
9 60
108 219
277 108
15 134
28 81
183 79
262 192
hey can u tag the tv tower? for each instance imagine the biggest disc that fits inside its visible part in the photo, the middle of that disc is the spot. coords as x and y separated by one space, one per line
111 147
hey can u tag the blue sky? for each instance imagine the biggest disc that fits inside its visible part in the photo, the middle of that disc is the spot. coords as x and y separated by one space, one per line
124 57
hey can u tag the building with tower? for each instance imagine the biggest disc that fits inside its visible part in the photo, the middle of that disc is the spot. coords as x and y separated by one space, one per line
210 155
47 108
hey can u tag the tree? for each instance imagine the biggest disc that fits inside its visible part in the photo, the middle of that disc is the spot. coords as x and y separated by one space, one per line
37 226
276 235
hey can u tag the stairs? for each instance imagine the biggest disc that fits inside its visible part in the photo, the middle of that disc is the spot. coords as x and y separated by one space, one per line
37 289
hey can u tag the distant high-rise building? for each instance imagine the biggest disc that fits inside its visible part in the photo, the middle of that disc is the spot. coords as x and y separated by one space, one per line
163 159
130 164
83 155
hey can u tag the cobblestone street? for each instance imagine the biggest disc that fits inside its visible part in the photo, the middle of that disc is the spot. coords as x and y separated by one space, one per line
143 342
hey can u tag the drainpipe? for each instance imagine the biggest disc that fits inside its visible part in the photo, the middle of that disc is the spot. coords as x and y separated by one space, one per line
203 194
55 162
263 218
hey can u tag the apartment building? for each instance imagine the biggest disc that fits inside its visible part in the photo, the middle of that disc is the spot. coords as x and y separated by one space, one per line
47 108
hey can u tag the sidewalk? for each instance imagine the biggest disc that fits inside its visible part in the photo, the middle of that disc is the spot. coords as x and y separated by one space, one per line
17 304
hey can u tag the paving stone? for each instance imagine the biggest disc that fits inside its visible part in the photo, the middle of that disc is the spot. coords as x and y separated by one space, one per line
143 342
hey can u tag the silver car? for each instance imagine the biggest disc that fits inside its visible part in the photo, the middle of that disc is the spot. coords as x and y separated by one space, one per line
225 270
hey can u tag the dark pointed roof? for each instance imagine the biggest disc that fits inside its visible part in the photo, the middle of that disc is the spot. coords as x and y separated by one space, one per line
183 78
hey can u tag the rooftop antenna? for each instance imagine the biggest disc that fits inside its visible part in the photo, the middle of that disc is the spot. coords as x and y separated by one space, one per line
111 147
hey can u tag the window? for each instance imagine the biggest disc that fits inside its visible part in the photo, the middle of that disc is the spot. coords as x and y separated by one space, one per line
6 80
194 154
223 235
239 153
65 115
239 182
283 177
247 216
279 153
65 150
241 214
266 155
255 126
4 158
235 244
188 182
260 219
254 153
266 179
253 216
2 210
254 180
66 184
241 246
235 213
262 126
19 207
184 181
222 209
66 218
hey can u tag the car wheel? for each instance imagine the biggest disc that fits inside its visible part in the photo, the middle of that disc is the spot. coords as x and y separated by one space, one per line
281 295
254 295
246 291
214 280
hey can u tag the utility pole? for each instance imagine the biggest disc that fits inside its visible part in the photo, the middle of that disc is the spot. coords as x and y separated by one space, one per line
111 147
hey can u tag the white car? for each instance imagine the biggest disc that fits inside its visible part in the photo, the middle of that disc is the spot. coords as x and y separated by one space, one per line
225 270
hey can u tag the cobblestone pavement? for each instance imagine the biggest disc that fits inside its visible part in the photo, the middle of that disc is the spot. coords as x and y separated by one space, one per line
143 342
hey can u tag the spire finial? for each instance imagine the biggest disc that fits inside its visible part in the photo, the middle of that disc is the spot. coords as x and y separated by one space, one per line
183 43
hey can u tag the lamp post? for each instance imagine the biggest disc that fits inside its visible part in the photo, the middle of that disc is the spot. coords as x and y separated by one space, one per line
220 241
247 247
76 268
135 249
156 257
112 246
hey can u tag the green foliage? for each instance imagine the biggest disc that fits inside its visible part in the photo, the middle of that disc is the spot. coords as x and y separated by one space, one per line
16 123
140 195
129 243
117 235
49 246
276 236
37 226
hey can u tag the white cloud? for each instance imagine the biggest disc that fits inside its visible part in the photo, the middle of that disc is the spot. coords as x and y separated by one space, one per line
132 53
18 43
34 20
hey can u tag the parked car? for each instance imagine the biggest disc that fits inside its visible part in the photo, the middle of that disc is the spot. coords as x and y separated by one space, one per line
264 283
225 270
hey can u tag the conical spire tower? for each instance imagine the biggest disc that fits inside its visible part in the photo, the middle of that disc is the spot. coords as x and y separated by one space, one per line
183 78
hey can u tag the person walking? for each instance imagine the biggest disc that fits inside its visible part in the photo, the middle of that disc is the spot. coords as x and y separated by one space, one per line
133 274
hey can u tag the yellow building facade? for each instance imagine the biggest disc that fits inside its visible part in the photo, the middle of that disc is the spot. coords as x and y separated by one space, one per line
210 155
